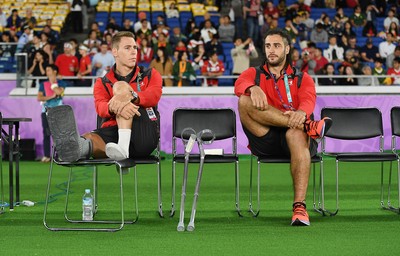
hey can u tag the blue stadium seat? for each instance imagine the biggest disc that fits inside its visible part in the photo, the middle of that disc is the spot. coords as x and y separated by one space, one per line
198 20
225 81
132 16
173 22
361 41
323 46
154 16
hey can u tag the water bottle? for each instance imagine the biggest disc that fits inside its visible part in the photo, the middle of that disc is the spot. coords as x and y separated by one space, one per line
87 206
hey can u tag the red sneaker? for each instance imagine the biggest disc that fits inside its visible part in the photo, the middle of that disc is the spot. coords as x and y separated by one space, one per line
300 215
317 129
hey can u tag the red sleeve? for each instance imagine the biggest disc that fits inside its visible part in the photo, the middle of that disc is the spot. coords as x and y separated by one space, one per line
222 67
307 95
204 67
152 90
245 80
101 98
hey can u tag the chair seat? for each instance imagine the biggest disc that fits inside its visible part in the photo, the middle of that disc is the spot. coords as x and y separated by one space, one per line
284 159
146 159
126 163
195 158
364 157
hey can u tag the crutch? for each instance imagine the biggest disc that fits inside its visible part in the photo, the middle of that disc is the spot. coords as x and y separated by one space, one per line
204 137
188 148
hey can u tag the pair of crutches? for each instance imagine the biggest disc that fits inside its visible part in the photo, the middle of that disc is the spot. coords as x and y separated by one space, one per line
204 137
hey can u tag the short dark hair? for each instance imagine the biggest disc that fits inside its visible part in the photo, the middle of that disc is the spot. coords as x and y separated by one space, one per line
53 67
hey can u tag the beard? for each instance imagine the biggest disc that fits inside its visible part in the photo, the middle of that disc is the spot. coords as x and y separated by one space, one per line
279 61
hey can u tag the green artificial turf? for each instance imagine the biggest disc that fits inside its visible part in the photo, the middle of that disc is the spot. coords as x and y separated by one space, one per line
360 228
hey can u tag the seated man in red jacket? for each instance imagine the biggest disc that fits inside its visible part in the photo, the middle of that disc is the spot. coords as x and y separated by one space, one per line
126 99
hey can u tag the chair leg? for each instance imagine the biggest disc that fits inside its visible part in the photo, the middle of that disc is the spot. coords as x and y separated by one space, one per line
160 211
255 213
181 224
190 226
321 198
237 192
1 180
172 212
389 205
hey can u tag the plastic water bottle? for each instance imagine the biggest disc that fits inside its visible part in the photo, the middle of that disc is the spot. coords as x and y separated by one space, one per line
87 206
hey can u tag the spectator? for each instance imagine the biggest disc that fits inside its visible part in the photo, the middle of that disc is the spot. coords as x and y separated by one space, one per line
320 61
207 17
161 29
191 28
13 35
271 10
50 95
291 30
92 42
369 51
32 46
350 79
74 51
14 20
127 26
24 38
67 63
391 57
108 40
47 47
214 45
309 22
282 8
295 56
54 36
241 55
162 42
302 32
340 17
368 80
112 26
226 30
379 70
207 31
38 65
199 58
75 15
213 67
144 31
29 19
85 67
7 50
348 30
335 29
145 53
394 72
194 43
352 40
329 71
389 19
3 19
102 61
138 24
237 7
183 71
358 19
252 9
177 36
387 47
95 26
319 34
172 11
369 30
163 64
334 53
306 64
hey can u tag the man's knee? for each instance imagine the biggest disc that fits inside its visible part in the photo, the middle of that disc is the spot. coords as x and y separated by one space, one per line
121 87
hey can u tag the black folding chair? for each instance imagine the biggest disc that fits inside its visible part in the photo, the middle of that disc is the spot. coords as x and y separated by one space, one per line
395 124
275 160
1 167
353 124
154 158
121 166
222 123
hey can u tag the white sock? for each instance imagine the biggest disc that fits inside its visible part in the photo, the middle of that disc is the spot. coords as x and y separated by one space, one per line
124 139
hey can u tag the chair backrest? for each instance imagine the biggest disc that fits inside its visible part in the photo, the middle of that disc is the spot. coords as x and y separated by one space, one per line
353 123
221 121
395 120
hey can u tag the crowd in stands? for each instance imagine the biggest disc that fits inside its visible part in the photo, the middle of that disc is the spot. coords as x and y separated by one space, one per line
342 37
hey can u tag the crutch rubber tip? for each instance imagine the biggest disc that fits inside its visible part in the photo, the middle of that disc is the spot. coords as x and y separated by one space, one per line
190 228
180 228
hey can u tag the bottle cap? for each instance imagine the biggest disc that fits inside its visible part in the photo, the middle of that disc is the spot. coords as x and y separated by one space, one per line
87 191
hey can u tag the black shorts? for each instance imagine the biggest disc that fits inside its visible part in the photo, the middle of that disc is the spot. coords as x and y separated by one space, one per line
144 137
273 143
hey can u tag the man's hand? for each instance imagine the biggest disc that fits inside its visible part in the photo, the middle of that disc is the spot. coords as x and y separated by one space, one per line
118 102
129 111
258 98
296 118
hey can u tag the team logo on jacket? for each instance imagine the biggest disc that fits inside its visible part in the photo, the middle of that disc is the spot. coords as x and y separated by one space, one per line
290 82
